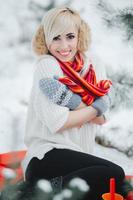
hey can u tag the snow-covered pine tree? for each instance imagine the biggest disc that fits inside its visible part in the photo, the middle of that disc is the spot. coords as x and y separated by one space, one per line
120 18
44 189
119 134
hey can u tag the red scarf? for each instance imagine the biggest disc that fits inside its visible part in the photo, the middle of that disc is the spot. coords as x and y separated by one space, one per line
87 86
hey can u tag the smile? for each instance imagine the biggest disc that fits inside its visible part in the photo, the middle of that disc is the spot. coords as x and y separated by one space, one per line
64 53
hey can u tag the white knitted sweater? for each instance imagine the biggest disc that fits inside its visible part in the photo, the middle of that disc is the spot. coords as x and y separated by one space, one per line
45 118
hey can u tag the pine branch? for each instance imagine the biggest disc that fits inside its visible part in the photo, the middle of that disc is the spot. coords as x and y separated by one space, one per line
120 18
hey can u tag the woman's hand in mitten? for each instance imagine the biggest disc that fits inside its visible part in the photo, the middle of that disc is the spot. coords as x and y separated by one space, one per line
101 104
59 93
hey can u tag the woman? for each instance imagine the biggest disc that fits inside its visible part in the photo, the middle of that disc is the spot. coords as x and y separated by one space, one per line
63 113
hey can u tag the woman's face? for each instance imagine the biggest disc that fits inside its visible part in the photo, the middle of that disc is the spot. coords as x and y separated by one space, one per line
64 46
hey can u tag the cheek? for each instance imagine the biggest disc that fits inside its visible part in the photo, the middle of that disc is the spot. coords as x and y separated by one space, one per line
52 48
75 43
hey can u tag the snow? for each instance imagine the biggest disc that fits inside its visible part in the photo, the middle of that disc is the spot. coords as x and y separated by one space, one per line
58 197
116 128
17 67
80 184
44 185
66 193
8 173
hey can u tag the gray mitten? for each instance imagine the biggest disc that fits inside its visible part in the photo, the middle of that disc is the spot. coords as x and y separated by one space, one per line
59 93
101 104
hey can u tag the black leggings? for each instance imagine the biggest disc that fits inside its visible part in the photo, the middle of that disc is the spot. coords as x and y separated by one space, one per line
70 164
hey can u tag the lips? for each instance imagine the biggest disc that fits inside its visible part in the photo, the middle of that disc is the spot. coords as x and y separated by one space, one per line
64 53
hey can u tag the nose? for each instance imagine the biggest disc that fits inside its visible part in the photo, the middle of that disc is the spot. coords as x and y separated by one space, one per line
64 44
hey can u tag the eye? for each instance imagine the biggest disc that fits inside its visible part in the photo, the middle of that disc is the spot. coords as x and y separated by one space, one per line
56 38
71 36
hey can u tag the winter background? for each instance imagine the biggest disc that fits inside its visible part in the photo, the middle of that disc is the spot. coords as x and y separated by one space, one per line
111 24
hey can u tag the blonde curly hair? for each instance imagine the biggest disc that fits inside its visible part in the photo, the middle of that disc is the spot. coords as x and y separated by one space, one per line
54 23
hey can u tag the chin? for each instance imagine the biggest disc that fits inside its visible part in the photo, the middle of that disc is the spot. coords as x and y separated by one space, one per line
67 59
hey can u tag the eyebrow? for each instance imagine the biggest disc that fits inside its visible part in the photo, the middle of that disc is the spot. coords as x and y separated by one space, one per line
66 34
70 34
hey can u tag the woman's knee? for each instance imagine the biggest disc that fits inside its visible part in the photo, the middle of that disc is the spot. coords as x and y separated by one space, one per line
118 172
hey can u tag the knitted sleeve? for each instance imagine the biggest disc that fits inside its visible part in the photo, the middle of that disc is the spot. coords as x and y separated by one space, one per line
51 115
59 93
